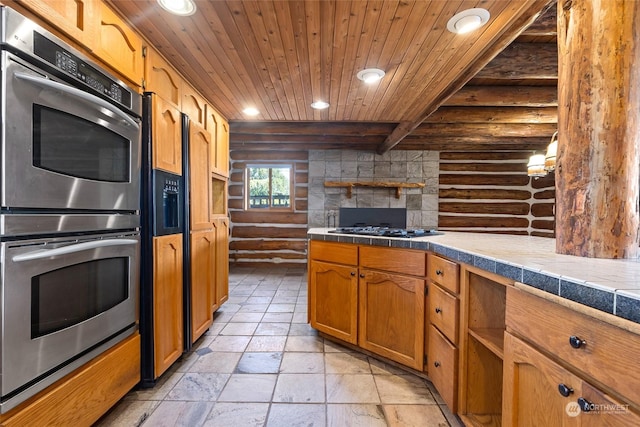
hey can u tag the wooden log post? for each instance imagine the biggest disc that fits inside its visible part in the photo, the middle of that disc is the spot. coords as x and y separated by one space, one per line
598 172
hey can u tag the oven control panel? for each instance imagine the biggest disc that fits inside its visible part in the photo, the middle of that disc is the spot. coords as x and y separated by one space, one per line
80 70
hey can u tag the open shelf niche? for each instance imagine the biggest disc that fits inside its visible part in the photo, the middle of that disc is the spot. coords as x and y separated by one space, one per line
350 184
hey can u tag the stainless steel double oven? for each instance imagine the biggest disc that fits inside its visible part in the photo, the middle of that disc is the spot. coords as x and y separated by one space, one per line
69 219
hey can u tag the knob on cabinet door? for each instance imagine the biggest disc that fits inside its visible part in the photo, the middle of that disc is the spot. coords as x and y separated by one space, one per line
353 273
439 273
436 364
576 342
564 389
362 275
585 405
438 310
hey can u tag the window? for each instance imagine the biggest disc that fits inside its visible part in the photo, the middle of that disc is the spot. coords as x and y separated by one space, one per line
268 187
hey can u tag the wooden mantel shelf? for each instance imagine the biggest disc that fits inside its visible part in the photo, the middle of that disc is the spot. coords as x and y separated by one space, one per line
397 185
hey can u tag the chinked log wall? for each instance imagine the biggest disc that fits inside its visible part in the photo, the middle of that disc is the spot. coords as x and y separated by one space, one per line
268 237
491 192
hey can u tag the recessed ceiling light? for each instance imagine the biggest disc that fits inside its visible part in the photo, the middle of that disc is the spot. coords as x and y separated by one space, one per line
370 75
251 111
178 7
320 105
468 20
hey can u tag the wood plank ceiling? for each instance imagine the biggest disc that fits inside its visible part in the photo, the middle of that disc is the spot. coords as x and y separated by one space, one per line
280 56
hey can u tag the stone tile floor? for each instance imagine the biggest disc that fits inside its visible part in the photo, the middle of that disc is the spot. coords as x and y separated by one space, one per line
261 364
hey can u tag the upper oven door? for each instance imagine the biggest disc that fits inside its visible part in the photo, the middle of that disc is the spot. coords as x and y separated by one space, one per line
62 297
64 148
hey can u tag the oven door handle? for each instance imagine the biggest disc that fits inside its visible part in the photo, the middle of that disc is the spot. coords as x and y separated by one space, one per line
50 84
79 247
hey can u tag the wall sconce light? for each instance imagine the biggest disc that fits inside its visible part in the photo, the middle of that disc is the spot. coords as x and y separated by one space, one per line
541 164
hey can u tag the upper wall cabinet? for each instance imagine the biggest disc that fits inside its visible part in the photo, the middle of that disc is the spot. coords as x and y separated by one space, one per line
73 18
119 46
219 129
161 78
193 105
166 134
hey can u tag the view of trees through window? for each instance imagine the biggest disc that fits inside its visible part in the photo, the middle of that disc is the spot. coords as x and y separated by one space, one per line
269 186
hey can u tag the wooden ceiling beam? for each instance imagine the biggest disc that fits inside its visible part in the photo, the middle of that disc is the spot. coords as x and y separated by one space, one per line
513 96
489 130
527 17
494 115
310 128
523 61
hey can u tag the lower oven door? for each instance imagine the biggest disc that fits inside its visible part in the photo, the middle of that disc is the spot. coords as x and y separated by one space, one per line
64 301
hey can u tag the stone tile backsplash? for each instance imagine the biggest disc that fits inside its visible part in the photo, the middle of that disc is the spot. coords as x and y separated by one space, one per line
394 166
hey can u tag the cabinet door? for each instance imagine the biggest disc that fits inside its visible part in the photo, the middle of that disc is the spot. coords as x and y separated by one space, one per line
443 367
391 316
193 105
119 46
166 134
333 300
219 128
74 18
199 177
167 301
531 389
161 78
221 226
203 258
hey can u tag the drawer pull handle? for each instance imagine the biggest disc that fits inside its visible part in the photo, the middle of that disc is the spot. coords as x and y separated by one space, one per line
585 405
565 390
438 310
353 273
436 364
439 272
576 342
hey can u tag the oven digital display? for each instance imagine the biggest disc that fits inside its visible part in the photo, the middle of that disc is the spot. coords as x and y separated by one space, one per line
80 70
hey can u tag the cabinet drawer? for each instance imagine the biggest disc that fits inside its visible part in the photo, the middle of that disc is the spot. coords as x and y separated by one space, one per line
443 367
605 352
396 260
443 312
443 272
340 253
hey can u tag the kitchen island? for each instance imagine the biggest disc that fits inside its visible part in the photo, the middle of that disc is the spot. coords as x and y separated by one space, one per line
492 320
612 286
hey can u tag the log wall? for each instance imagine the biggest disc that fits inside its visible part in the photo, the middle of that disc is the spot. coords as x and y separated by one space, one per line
490 192
268 236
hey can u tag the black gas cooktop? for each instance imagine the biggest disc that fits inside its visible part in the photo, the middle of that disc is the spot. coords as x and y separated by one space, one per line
386 231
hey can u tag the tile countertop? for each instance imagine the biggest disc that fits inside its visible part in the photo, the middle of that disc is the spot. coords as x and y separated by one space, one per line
612 286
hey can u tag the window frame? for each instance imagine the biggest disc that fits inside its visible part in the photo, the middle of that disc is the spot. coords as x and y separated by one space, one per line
270 166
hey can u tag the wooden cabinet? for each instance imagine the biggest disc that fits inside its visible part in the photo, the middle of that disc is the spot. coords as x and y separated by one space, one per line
221 226
83 396
119 46
203 291
219 128
333 289
73 18
443 366
199 178
166 136
541 392
391 316
167 301
193 105
482 325
161 78
333 299
568 352
443 317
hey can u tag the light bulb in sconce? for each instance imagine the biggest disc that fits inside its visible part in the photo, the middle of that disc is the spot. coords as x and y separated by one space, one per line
535 167
552 150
